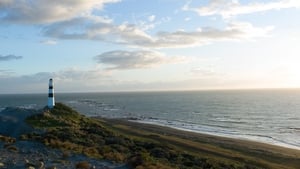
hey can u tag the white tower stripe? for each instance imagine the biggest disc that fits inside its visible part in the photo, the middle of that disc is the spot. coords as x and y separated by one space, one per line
51 101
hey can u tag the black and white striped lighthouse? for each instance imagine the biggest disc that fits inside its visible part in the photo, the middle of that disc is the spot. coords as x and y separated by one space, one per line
51 101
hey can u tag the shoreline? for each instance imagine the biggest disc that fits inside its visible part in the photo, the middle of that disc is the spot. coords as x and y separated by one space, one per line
162 127
266 140
134 144
267 155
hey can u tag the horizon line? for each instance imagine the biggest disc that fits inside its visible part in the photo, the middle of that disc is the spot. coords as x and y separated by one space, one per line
156 90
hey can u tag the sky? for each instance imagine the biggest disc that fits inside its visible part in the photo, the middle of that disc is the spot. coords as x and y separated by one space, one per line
142 45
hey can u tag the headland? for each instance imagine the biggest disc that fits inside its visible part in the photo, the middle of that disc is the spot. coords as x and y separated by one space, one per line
77 141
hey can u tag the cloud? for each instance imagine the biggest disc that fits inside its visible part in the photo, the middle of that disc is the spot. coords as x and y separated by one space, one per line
121 59
131 35
76 74
229 8
47 11
94 29
9 57
6 73
65 75
49 42
74 19
147 22
4 3
70 79
187 19
204 72
151 18
233 31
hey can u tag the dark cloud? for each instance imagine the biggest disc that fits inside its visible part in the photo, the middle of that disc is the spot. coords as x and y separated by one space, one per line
9 57
121 59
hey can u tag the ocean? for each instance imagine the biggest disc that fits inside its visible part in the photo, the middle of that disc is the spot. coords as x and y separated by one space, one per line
269 116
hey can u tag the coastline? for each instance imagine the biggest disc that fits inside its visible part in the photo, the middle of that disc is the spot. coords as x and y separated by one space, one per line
132 144
266 155
272 120
259 139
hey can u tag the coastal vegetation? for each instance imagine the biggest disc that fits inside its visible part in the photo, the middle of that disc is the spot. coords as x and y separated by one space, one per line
147 146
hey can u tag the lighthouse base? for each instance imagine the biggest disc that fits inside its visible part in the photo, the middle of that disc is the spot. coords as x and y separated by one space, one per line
51 103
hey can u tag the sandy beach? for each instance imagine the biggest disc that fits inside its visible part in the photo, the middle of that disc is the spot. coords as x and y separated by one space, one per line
266 155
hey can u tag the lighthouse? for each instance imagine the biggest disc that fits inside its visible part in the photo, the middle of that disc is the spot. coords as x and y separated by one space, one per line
51 101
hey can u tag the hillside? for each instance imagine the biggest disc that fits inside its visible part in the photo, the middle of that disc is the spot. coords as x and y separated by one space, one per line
147 146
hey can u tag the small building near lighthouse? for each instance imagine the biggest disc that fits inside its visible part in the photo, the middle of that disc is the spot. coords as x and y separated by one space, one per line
51 100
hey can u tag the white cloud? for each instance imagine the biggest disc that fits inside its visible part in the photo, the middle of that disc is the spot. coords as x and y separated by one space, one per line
89 28
47 11
131 35
70 79
9 57
149 22
73 19
234 31
73 74
151 18
187 19
6 73
229 8
49 42
204 72
120 59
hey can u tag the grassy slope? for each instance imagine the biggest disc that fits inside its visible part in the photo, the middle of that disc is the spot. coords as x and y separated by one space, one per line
213 147
148 146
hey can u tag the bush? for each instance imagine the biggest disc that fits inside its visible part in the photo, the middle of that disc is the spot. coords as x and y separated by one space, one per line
7 139
12 148
82 165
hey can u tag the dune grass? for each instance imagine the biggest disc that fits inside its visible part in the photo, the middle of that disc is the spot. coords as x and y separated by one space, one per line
148 146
